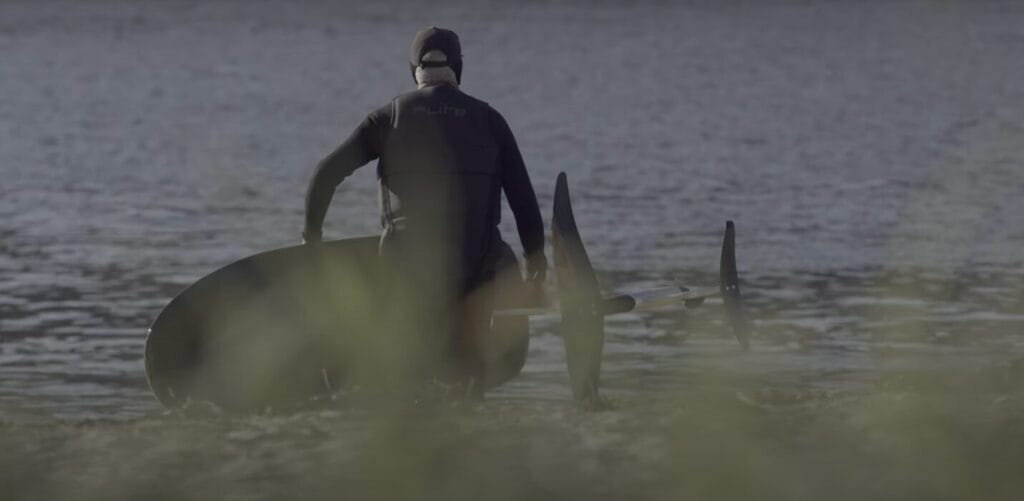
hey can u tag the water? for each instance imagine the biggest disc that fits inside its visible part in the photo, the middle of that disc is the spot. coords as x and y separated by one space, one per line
869 153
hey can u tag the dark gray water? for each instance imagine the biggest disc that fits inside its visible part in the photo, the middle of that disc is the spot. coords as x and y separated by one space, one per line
870 153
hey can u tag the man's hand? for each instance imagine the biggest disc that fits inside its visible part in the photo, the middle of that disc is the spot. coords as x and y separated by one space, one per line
536 274
536 268
311 236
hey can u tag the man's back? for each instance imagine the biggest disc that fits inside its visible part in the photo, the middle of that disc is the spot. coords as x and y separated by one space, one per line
444 159
440 174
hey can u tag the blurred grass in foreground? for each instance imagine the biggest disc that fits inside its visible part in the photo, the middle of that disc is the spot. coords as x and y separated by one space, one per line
928 434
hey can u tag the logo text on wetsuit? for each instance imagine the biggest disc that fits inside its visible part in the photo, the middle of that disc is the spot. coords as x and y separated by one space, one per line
441 109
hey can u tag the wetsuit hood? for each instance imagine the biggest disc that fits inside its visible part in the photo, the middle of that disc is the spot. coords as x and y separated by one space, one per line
434 38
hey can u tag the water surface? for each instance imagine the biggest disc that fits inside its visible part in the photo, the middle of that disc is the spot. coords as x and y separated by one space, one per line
869 152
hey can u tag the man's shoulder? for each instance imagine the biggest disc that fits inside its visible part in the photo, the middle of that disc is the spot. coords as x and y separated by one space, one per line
486 111
481 104
476 100
379 116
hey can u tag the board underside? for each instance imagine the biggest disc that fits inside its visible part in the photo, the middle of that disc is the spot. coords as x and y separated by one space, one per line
278 328
252 333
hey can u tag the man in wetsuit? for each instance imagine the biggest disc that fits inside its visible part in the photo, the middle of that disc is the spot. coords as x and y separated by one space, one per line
444 159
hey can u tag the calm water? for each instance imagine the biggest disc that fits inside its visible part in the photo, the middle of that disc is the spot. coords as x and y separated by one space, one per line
870 153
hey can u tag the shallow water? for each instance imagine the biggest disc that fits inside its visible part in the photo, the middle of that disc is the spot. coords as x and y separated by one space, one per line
870 154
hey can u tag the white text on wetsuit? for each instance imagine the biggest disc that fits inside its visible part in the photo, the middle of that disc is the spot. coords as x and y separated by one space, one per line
441 109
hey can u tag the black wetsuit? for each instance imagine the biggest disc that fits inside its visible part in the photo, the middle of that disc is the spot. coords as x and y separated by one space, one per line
444 158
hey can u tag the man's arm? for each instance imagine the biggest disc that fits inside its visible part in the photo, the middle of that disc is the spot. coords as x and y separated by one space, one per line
359 149
515 181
